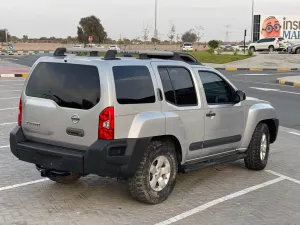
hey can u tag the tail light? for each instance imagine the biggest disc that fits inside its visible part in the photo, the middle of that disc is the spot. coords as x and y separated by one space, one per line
20 113
106 127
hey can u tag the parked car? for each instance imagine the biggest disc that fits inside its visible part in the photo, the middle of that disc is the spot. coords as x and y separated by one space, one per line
240 47
77 46
272 44
187 46
141 119
294 48
114 47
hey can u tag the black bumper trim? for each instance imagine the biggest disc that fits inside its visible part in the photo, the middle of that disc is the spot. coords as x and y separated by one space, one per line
95 160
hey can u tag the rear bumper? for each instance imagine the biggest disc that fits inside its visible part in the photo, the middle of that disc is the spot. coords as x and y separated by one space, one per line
116 158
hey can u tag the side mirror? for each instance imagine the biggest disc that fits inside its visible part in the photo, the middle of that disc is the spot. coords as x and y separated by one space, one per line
240 96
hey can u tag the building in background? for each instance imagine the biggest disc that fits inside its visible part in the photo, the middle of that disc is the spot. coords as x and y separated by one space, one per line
286 26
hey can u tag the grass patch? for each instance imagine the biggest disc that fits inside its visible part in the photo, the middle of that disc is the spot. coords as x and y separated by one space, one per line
205 57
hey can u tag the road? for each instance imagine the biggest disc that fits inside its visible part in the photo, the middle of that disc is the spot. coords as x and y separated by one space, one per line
225 194
285 99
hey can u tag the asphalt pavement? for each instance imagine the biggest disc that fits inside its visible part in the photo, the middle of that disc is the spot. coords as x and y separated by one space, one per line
263 85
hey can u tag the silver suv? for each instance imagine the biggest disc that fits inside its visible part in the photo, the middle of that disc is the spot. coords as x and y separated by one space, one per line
141 119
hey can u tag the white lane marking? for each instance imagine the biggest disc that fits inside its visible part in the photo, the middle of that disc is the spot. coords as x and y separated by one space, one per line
276 90
283 176
254 82
295 133
3 124
7 85
9 90
8 109
5 146
23 184
219 200
9 98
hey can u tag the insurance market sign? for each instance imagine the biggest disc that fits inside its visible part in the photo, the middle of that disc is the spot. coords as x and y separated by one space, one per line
285 26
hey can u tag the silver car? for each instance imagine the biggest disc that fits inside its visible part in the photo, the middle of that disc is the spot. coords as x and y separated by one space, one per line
294 49
143 120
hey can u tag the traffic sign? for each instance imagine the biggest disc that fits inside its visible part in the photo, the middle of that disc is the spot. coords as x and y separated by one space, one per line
91 38
10 47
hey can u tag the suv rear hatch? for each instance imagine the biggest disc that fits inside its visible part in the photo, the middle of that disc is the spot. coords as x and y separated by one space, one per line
60 104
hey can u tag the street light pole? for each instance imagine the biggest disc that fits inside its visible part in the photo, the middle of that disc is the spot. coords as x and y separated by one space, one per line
155 31
252 25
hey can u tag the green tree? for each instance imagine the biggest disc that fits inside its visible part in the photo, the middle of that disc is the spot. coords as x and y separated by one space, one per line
171 34
154 40
91 26
189 36
3 36
213 44
25 37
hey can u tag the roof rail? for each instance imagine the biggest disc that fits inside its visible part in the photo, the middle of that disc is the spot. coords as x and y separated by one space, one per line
111 54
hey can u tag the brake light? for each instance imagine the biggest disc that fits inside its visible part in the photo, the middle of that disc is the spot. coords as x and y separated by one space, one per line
20 113
106 126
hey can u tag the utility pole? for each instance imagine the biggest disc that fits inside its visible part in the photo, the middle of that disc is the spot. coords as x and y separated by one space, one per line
155 29
227 33
252 25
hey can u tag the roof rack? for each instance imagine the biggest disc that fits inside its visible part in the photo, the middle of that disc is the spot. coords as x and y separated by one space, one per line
111 54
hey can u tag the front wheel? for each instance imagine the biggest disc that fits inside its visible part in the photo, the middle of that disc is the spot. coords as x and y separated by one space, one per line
258 150
298 51
252 49
155 177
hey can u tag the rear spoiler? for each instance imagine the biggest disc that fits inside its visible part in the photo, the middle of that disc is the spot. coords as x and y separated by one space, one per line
111 54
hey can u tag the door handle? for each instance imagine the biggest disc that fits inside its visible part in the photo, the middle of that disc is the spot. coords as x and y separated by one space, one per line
210 114
75 132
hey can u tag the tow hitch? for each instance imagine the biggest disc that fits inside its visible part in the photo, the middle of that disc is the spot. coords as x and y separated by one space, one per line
48 172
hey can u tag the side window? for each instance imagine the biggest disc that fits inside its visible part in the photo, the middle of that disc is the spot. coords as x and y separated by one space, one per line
178 86
133 85
260 41
167 85
217 90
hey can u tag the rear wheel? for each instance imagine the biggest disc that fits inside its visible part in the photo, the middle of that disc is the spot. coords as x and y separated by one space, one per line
258 150
68 179
271 48
155 177
298 51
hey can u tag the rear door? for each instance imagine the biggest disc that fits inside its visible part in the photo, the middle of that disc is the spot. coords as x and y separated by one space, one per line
61 104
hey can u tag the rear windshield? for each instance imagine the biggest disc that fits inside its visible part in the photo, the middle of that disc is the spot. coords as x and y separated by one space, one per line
186 44
69 85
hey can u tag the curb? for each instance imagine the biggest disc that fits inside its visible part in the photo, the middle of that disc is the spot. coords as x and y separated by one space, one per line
16 54
258 69
283 82
25 52
14 75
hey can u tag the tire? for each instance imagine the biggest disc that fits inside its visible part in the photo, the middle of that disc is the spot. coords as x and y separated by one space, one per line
252 49
271 48
298 51
139 185
254 159
65 179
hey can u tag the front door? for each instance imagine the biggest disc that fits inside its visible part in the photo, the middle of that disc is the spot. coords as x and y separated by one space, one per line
224 120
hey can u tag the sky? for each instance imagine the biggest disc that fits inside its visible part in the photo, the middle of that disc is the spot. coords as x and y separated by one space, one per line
128 18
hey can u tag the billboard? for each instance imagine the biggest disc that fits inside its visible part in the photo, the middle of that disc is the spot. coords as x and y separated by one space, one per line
286 26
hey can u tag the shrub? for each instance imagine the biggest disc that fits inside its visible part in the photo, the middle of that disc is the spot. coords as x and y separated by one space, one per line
213 44
211 50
